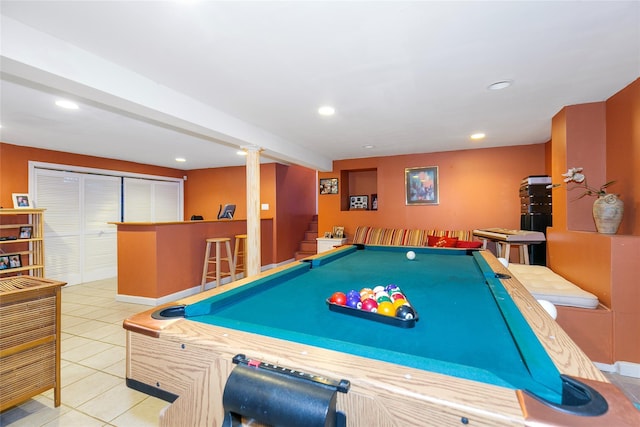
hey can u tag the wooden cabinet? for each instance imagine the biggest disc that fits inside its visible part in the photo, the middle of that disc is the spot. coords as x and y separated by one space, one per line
328 243
21 242
29 338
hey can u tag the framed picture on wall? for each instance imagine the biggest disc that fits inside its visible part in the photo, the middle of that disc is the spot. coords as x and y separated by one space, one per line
329 186
421 186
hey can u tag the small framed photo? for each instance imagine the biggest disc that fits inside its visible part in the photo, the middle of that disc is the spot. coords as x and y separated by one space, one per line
21 201
329 186
338 232
374 202
26 232
358 202
421 186
327 235
8 261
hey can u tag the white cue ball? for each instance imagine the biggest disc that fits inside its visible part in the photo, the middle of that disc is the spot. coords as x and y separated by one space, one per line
549 307
411 255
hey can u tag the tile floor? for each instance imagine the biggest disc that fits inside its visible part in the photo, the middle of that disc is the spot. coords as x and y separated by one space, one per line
93 368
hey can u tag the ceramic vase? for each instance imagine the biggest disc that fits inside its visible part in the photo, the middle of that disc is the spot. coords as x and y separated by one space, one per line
607 213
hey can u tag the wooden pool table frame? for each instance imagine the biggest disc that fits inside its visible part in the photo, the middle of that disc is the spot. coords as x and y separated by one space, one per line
193 360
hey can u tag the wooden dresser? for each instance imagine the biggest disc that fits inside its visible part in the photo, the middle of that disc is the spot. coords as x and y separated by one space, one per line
29 338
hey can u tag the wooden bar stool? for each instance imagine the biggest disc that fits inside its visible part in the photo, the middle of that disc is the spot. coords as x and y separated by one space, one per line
239 253
216 259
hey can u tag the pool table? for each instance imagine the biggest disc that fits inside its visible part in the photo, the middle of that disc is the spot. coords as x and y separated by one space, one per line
480 351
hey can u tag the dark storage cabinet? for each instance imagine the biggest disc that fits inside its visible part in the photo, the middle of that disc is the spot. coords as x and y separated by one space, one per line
535 212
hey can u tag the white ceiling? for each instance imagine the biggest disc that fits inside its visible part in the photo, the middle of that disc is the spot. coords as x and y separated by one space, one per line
199 79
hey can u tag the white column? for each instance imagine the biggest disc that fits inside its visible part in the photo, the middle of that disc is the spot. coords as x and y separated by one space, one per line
253 211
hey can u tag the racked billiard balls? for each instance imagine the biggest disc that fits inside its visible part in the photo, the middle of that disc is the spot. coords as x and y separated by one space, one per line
386 308
405 312
354 302
370 305
338 298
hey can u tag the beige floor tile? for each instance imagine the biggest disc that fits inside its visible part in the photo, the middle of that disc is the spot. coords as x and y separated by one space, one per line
88 325
79 353
101 332
34 412
112 403
74 418
74 342
119 337
145 414
118 369
68 320
104 358
72 372
87 388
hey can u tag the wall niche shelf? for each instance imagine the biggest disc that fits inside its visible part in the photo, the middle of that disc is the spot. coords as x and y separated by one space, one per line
355 184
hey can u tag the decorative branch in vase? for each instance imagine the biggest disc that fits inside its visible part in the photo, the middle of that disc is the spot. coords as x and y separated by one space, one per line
607 208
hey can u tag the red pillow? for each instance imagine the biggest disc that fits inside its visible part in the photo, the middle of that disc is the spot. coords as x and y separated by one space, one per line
468 244
442 242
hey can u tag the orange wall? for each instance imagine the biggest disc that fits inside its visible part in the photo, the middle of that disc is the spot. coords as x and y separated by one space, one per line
478 189
604 138
14 169
289 190
623 153
296 206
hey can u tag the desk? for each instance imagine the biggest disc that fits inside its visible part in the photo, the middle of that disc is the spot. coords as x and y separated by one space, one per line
508 238
479 342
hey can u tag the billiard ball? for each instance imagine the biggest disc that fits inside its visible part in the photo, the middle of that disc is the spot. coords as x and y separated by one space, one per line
370 305
411 255
386 308
397 295
338 298
382 298
364 291
354 302
378 288
399 303
391 287
353 294
405 312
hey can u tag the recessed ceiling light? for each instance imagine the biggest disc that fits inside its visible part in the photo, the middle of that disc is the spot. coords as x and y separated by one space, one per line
180 159
503 84
368 146
241 153
326 110
69 105
477 136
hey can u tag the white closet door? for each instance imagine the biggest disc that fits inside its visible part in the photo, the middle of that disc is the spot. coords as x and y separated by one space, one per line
101 206
151 201
59 193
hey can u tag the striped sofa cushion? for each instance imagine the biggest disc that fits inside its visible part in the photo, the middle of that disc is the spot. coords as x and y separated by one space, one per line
415 238
392 236
361 234
375 236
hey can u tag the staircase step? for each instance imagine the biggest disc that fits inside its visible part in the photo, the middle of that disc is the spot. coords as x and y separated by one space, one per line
302 254
308 246
310 235
313 226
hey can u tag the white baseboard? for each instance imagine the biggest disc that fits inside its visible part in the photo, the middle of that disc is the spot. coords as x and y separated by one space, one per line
628 369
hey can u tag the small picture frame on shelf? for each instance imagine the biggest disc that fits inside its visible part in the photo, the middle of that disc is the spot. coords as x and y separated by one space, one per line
327 235
338 232
21 201
26 231
9 261
329 186
374 202
358 202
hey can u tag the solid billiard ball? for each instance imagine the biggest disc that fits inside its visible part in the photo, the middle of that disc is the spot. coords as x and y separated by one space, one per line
405 312
399 303
339 298
370 305
353 294
386 308
411 255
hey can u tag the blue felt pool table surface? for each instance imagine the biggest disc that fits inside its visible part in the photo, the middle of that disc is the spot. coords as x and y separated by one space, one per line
468 325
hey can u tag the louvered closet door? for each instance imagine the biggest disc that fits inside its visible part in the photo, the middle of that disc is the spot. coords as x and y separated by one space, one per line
80 245
151 200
